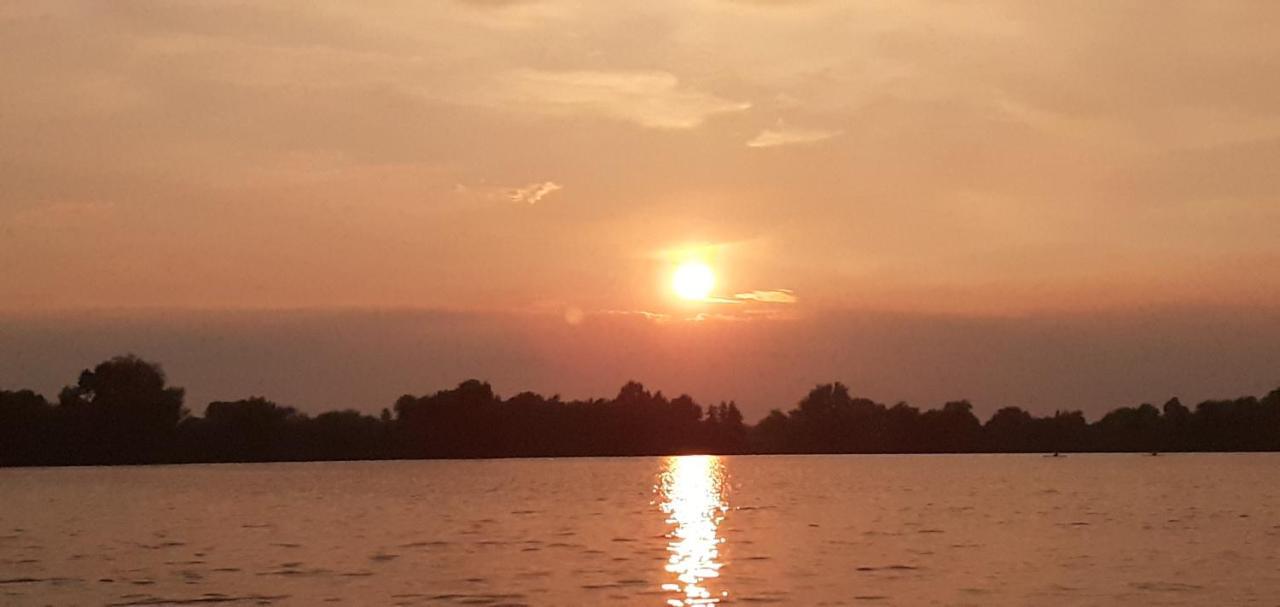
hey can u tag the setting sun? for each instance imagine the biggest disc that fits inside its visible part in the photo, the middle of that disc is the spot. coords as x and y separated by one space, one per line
693 280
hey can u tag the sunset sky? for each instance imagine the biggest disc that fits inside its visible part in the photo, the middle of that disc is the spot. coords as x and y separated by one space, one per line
333 203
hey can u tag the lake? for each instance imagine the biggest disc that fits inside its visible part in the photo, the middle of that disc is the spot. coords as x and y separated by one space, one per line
814 530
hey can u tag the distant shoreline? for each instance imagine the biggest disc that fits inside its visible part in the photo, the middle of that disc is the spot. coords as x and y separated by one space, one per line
619 457
122 412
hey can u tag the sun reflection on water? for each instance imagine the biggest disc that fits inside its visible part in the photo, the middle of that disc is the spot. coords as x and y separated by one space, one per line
693 498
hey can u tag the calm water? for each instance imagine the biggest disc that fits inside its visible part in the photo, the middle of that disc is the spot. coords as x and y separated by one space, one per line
818 530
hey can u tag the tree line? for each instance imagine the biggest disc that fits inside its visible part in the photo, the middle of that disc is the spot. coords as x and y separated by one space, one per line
124 412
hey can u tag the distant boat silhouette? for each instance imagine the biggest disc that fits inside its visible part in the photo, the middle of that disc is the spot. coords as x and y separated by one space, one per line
1056 454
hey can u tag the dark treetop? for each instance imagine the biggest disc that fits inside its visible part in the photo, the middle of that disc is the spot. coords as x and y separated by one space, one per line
123 412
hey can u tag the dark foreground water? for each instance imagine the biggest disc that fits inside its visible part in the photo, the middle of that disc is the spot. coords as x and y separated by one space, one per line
804 530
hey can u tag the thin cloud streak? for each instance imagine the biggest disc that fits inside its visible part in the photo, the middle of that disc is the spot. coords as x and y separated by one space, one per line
777 296
530 194
781 136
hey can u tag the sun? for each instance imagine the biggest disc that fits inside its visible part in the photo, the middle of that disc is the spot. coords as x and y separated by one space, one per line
693 280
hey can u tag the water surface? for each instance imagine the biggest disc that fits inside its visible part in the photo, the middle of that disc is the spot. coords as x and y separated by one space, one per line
812 530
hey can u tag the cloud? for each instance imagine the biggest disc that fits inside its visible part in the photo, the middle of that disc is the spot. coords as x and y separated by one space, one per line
645 314
779 296
534 192
654 99
531 193
725 314
785 135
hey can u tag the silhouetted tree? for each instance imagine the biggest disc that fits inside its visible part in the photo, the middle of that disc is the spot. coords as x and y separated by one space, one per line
1177 431
1243 424
248 430
1130 429
902 423
725 430
1067 431
1012 430
772 434
830 420
450 423
347 435
26 429
120 412
951 429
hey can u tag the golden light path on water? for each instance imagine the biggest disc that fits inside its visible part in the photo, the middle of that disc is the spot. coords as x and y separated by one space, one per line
693 498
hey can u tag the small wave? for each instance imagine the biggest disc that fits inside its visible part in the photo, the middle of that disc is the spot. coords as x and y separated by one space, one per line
205 599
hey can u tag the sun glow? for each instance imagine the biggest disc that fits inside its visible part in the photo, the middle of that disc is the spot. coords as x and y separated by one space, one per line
693 280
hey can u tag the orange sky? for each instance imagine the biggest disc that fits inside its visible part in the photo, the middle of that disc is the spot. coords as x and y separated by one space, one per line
992 159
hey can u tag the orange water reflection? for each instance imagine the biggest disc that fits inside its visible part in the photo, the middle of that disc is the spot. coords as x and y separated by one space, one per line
693 498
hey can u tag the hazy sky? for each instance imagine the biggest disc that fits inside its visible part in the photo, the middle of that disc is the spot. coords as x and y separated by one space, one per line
1048 192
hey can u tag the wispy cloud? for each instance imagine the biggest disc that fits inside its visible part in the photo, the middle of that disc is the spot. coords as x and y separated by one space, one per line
766 296
788 135
779 296
645 314
653 99
531 193
723 314
534 192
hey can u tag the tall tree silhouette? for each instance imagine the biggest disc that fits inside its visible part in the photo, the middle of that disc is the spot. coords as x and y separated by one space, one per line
121 411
